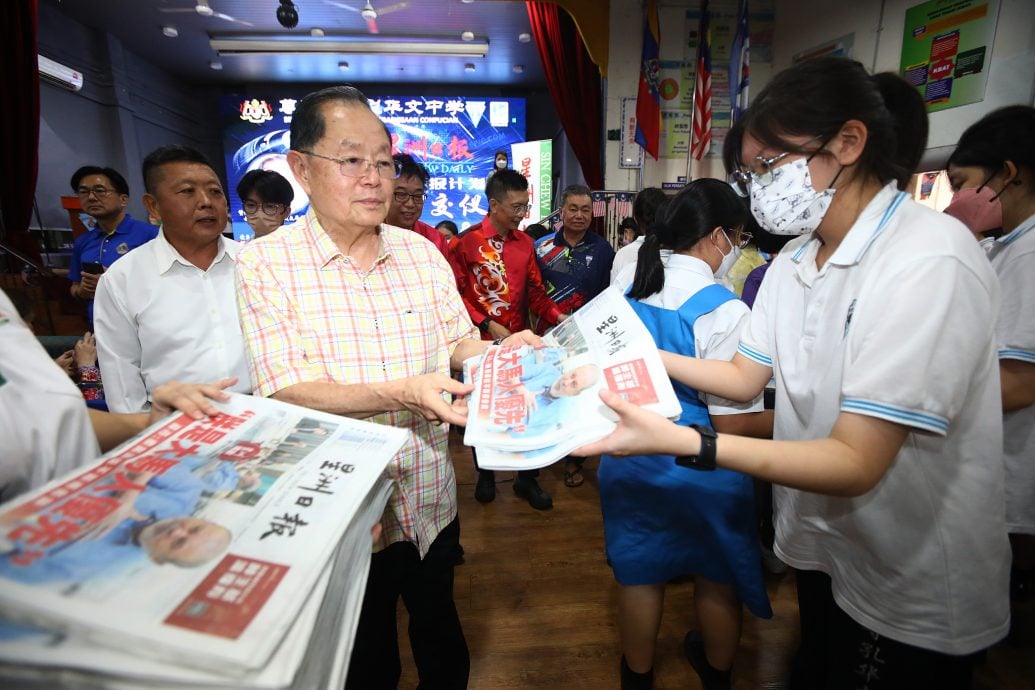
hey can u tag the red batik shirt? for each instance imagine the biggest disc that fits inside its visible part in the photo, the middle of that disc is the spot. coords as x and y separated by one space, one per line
499 279
432 235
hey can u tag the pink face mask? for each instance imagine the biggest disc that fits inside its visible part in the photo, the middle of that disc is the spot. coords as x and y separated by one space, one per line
978 208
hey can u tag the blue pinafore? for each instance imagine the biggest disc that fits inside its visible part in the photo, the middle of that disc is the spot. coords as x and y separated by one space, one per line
662 520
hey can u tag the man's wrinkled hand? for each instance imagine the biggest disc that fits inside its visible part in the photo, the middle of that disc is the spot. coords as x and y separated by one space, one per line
423 395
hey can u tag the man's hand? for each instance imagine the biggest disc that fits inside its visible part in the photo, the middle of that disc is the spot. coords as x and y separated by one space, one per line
65 360
498 331
423 395
86 351
193 399
525 337
639 432
88 284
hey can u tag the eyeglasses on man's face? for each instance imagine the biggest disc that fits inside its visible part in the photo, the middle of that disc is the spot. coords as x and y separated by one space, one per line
387 169
99 192
516 209
401 195
270 208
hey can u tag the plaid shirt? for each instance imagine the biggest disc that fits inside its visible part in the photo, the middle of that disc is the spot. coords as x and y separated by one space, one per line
308 313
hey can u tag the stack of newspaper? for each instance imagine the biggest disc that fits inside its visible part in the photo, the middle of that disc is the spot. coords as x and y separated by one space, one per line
531 406
229 552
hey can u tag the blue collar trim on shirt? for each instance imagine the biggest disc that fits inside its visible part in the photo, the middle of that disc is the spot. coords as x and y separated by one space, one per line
1018 232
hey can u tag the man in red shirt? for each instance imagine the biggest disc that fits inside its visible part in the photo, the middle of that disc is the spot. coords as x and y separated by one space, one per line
408 201
499 281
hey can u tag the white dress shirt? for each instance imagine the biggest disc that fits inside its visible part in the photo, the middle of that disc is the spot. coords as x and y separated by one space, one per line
159 317
625 256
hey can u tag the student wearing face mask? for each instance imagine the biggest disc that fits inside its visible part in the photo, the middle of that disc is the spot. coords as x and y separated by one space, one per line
993 169
662 521
501 161
878 325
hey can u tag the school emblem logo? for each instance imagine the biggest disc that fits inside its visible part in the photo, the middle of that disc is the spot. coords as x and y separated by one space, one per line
256 111
122 248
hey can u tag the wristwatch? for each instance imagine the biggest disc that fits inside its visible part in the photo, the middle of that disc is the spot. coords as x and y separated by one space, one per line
705 458
483 326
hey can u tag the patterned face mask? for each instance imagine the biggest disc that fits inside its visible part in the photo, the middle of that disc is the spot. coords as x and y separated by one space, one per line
789 205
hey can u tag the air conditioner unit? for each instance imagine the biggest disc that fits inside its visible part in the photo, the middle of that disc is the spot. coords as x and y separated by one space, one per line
59 75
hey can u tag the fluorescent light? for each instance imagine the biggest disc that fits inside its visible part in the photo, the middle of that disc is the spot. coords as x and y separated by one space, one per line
278 45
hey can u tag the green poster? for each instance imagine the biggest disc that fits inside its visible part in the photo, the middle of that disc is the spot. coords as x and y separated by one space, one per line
946 50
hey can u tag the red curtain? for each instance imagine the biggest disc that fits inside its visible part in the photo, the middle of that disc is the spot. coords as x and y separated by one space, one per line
19 123
574 83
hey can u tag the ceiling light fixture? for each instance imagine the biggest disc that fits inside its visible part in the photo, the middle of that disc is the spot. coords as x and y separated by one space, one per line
287 15
203 9
316 32
469 67
518 69
170 31
343 66
216 65
467 36
278 44
368 12
525 37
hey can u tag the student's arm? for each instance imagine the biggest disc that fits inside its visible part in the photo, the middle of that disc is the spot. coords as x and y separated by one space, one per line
1017 379
741 379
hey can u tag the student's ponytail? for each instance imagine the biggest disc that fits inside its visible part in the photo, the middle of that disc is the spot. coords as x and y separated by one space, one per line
900 159
650 271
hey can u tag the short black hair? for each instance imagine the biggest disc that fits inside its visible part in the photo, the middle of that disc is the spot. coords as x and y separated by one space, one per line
574 190
537 230
505 181
409 167
116 179
270 186
173 153
448 225
307 125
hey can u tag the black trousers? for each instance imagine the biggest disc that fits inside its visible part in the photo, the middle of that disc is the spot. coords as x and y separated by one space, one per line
836 653
436 638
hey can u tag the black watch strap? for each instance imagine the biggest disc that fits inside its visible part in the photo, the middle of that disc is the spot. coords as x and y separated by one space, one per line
705 459
483 326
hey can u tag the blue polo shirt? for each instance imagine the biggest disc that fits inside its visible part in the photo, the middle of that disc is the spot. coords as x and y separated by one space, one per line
573 275
106 249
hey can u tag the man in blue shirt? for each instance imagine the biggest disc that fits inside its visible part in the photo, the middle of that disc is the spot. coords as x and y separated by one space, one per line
103 193
576 267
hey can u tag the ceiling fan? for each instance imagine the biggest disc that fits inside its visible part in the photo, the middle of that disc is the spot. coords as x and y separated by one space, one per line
368 12
205 10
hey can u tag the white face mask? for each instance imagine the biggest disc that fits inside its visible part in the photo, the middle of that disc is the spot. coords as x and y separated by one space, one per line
727 259
789 205
500 163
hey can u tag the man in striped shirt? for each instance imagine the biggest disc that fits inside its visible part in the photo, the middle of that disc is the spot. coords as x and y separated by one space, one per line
344 314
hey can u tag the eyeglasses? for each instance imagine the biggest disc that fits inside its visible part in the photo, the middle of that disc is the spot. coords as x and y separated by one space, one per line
760 171
518 209
99 192
270 208
359 167
401 196
742 238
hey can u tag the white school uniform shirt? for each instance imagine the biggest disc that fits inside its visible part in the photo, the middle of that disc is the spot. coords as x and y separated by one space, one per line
159 317
899 325
716 334
626 256
44 424
1013 258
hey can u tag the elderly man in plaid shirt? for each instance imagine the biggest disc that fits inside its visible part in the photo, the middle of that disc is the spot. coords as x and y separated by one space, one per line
344 314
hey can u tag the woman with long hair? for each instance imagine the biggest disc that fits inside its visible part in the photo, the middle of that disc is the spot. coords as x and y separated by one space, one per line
661 520
878 326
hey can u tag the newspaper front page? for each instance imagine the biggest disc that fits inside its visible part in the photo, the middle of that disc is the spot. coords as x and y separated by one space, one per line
196 543
533 405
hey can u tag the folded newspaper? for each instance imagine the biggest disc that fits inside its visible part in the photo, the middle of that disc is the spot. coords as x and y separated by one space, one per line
224 552
532 406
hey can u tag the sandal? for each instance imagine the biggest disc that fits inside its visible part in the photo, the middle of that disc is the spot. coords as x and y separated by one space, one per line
573 478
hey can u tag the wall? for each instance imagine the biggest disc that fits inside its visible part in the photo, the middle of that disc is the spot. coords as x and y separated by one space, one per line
127 108
802 24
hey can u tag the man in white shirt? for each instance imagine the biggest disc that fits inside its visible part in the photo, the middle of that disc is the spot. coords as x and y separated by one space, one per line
169 312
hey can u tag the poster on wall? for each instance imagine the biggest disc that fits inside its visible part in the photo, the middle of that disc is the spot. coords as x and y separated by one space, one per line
534 160
839 47
630 154
947 50
454 137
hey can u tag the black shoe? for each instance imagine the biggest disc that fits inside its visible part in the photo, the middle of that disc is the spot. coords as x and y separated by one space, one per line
528 488
485 489
631 680
711 678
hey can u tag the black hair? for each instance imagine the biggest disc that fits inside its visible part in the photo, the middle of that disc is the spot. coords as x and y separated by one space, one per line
497 155
307 125
505 181
629 223
450 226
173 153
536 230
409 167
1003 135
816 97
269 185
574 190
645 206
689 217
116 179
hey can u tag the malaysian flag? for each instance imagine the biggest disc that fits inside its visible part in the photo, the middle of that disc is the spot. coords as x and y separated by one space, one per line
648 96
701 139
739 69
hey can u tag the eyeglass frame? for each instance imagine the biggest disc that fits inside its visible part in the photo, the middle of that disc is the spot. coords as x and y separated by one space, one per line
417 199
99 192
514 208
742 179
342 162
745 237
270 208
